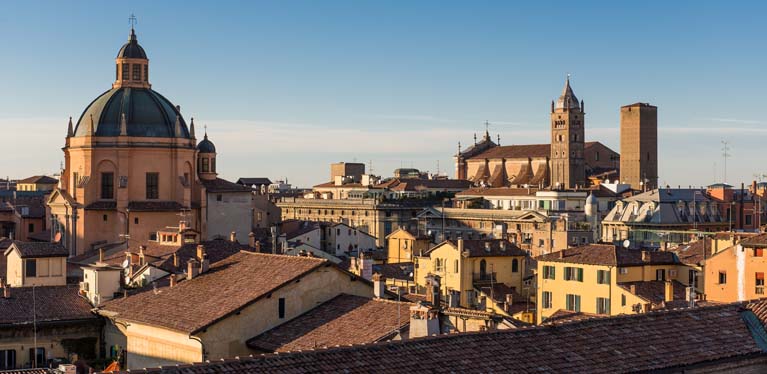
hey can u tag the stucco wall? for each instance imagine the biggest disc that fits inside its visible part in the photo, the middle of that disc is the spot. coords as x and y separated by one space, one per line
232 213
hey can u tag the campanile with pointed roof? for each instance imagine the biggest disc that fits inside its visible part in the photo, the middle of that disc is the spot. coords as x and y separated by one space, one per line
568 168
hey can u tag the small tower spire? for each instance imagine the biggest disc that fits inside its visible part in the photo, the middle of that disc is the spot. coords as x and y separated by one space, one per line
459 148
191 129
91 126
179 132
70 132
123 125
499 139
475 138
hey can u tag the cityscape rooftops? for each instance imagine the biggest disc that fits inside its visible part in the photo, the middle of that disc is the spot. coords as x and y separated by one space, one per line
609 255
38 249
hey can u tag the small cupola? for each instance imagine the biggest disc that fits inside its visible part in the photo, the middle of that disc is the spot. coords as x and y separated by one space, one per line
131 65
206 158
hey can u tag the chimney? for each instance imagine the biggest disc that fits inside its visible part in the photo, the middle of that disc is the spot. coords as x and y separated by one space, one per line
204 264
645 256
175 260
668 294
424 321
191 269
366 266
6 291
258 247
433 289
233 237
690 296
487 247
562 254
141 249
633 289
200 252
379 286
455 299
502 244
252 240
172 280
101 255
460 245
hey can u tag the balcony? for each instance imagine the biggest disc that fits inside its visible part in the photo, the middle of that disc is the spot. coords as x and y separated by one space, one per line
483 277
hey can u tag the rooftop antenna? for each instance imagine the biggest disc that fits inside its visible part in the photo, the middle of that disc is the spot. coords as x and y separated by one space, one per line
725 154
370 166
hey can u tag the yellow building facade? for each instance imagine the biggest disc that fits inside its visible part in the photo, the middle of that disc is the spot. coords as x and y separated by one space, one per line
607 280
401 245
465 266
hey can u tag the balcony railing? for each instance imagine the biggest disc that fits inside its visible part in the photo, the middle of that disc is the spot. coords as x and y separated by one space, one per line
484 277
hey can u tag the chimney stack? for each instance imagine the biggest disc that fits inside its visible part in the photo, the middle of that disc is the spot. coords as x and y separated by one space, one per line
645 256
175 260
101 255
6 291
460 245
258 247
366 266
633 289
172 280
379 286
200 252
562 254
141 249
252 240
191 269
433 289
233 237
668 294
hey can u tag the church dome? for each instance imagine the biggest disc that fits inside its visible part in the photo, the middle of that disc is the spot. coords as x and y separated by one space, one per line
206 146
132 49
146 114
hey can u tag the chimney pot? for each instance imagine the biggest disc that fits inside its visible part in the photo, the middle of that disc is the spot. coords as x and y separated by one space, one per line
233 237
101 255
191 269
668 294
379 285
645 256
252 240
633 289
175 260
6 291
562 254
200 252
172 280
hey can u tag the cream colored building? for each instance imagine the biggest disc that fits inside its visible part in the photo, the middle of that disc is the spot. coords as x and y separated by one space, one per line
607 280
36 264
213 314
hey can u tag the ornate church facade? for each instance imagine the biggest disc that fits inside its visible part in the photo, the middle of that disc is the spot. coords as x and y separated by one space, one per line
567 162
132 166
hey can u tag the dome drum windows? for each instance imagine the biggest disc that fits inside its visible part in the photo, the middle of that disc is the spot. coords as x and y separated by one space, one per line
126 71
136 72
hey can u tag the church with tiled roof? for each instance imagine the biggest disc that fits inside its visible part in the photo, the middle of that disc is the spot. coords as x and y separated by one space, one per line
567 162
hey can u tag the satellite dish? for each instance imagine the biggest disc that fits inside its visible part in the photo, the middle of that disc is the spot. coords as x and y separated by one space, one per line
465 253
626 243
125 264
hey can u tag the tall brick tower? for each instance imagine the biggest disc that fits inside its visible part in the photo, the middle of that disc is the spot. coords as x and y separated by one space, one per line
567 122
639 146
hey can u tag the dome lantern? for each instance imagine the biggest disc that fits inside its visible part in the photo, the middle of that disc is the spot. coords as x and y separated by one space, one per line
206 158
131 65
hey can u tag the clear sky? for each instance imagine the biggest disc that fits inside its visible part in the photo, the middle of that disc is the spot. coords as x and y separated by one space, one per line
287 87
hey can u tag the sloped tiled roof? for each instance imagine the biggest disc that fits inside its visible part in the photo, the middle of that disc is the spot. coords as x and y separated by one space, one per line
39 179
219 185
252 181
486 247
229 285
654 341
53 303
39 249
755 241
693 253
655 291
343 320
609 255
155 206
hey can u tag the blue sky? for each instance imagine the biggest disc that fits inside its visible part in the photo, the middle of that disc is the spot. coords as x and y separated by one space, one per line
287 87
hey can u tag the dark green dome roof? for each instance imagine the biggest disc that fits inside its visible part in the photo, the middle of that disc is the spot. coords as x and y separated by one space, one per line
132 49
206 146
147 114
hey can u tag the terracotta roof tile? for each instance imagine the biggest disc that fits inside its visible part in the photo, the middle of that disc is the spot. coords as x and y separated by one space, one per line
487 247
343 320
219 185
215 294
644 342
53 303
39 249
606 254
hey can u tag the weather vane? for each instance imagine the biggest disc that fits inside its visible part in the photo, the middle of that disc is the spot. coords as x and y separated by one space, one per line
132 19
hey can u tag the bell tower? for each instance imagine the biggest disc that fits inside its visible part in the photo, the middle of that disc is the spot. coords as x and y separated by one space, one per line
567 132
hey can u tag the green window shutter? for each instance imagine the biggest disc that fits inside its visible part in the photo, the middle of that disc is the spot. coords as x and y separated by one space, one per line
580 274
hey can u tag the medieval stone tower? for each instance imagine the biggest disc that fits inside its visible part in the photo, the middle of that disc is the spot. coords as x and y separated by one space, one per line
639 146
567 133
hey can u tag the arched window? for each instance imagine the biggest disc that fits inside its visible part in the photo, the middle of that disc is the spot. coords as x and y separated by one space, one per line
205 165
514 265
